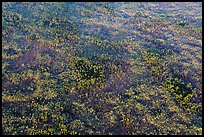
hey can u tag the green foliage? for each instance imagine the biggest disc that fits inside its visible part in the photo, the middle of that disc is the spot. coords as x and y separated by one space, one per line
89 71
182 92
179 86
157 64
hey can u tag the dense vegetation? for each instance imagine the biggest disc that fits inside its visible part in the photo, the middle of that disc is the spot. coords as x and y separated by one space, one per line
101 68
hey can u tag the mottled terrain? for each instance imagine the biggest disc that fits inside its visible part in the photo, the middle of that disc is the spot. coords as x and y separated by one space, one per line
102 68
